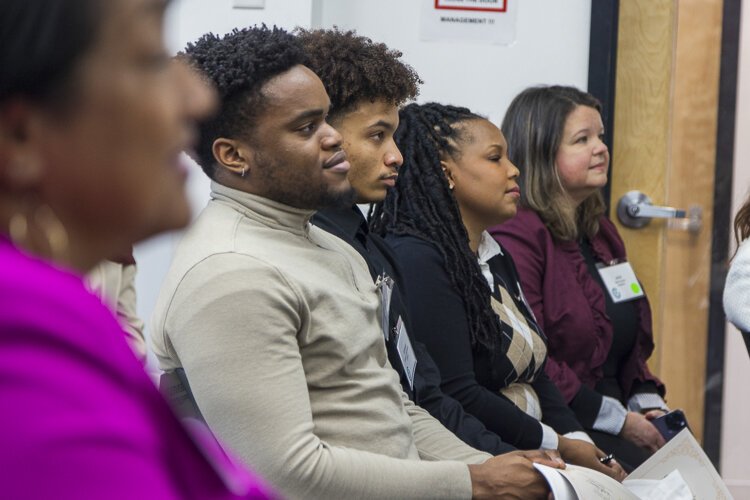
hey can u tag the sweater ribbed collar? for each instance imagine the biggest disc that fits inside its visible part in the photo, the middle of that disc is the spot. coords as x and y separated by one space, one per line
268 212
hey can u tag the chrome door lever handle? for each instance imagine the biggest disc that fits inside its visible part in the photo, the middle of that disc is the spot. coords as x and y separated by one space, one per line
635 210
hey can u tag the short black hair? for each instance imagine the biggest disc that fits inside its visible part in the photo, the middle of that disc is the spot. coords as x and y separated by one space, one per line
41 44
354 68
238 65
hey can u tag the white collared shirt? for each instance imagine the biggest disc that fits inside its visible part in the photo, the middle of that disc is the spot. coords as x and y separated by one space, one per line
487 249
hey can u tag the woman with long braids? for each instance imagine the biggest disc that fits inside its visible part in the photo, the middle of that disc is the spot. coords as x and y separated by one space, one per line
566 249
462 290
736 303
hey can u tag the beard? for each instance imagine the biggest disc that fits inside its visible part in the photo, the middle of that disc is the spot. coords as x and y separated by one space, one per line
292 186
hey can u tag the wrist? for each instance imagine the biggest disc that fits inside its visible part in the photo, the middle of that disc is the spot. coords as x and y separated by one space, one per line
478 481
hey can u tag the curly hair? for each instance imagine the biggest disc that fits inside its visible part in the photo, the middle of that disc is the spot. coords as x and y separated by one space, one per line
354 68
422 205
239 64
533 126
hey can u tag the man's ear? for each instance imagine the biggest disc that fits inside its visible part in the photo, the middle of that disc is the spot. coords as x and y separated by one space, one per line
232 155
448 174
20 163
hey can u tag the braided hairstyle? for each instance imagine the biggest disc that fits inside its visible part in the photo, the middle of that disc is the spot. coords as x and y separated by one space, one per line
422 205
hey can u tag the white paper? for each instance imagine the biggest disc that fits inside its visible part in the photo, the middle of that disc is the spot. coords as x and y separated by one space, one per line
585 484
672 487
683 453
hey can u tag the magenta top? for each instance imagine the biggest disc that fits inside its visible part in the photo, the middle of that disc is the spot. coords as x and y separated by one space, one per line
80 418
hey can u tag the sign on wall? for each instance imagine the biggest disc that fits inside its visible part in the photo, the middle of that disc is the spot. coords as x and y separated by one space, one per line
483 21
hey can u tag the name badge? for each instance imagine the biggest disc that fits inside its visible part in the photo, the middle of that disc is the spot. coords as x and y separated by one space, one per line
620 282
384 284
405 352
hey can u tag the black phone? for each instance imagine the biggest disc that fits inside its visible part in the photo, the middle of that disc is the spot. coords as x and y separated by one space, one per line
670 424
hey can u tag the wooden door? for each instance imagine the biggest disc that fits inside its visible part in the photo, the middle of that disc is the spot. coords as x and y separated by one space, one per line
664 145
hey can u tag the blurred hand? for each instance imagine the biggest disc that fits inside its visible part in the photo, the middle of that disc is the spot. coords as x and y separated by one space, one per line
654 414
511 475
638 429
578 452
550 458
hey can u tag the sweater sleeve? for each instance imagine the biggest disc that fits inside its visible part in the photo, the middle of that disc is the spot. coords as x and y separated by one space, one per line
737 289
439 320
435 442
449 411
555 411
249 382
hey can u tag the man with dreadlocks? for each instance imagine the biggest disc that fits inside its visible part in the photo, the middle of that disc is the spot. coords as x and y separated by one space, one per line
276 322
464 298
364 109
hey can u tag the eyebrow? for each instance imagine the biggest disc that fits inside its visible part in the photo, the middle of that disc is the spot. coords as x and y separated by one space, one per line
585 129
382 123
306 115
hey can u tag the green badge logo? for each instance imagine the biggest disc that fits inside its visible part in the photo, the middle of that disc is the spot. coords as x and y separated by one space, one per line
635 288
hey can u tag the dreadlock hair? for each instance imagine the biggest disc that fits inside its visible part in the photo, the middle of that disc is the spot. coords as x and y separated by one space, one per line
533 126
422 205
239 64
354 68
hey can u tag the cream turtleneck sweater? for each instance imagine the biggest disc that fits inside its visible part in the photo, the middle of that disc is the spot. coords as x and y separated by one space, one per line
276 323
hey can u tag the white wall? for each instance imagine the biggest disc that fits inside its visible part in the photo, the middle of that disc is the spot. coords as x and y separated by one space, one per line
552 44
735 441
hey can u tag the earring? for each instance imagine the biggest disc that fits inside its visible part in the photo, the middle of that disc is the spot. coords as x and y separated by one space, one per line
45 236
54 232
451 185
244 169
18 228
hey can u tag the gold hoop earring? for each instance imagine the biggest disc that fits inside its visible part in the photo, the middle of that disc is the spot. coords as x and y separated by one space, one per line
18 228
54 232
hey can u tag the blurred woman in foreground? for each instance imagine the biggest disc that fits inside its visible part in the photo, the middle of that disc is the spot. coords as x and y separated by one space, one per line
93 116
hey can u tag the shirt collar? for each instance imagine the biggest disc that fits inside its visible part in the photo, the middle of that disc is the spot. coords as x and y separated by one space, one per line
264 210
488 248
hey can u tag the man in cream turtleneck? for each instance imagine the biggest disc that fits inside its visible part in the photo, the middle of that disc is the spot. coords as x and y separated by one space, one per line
277 323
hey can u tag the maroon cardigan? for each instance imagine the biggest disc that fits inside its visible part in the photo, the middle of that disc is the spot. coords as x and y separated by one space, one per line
570 306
